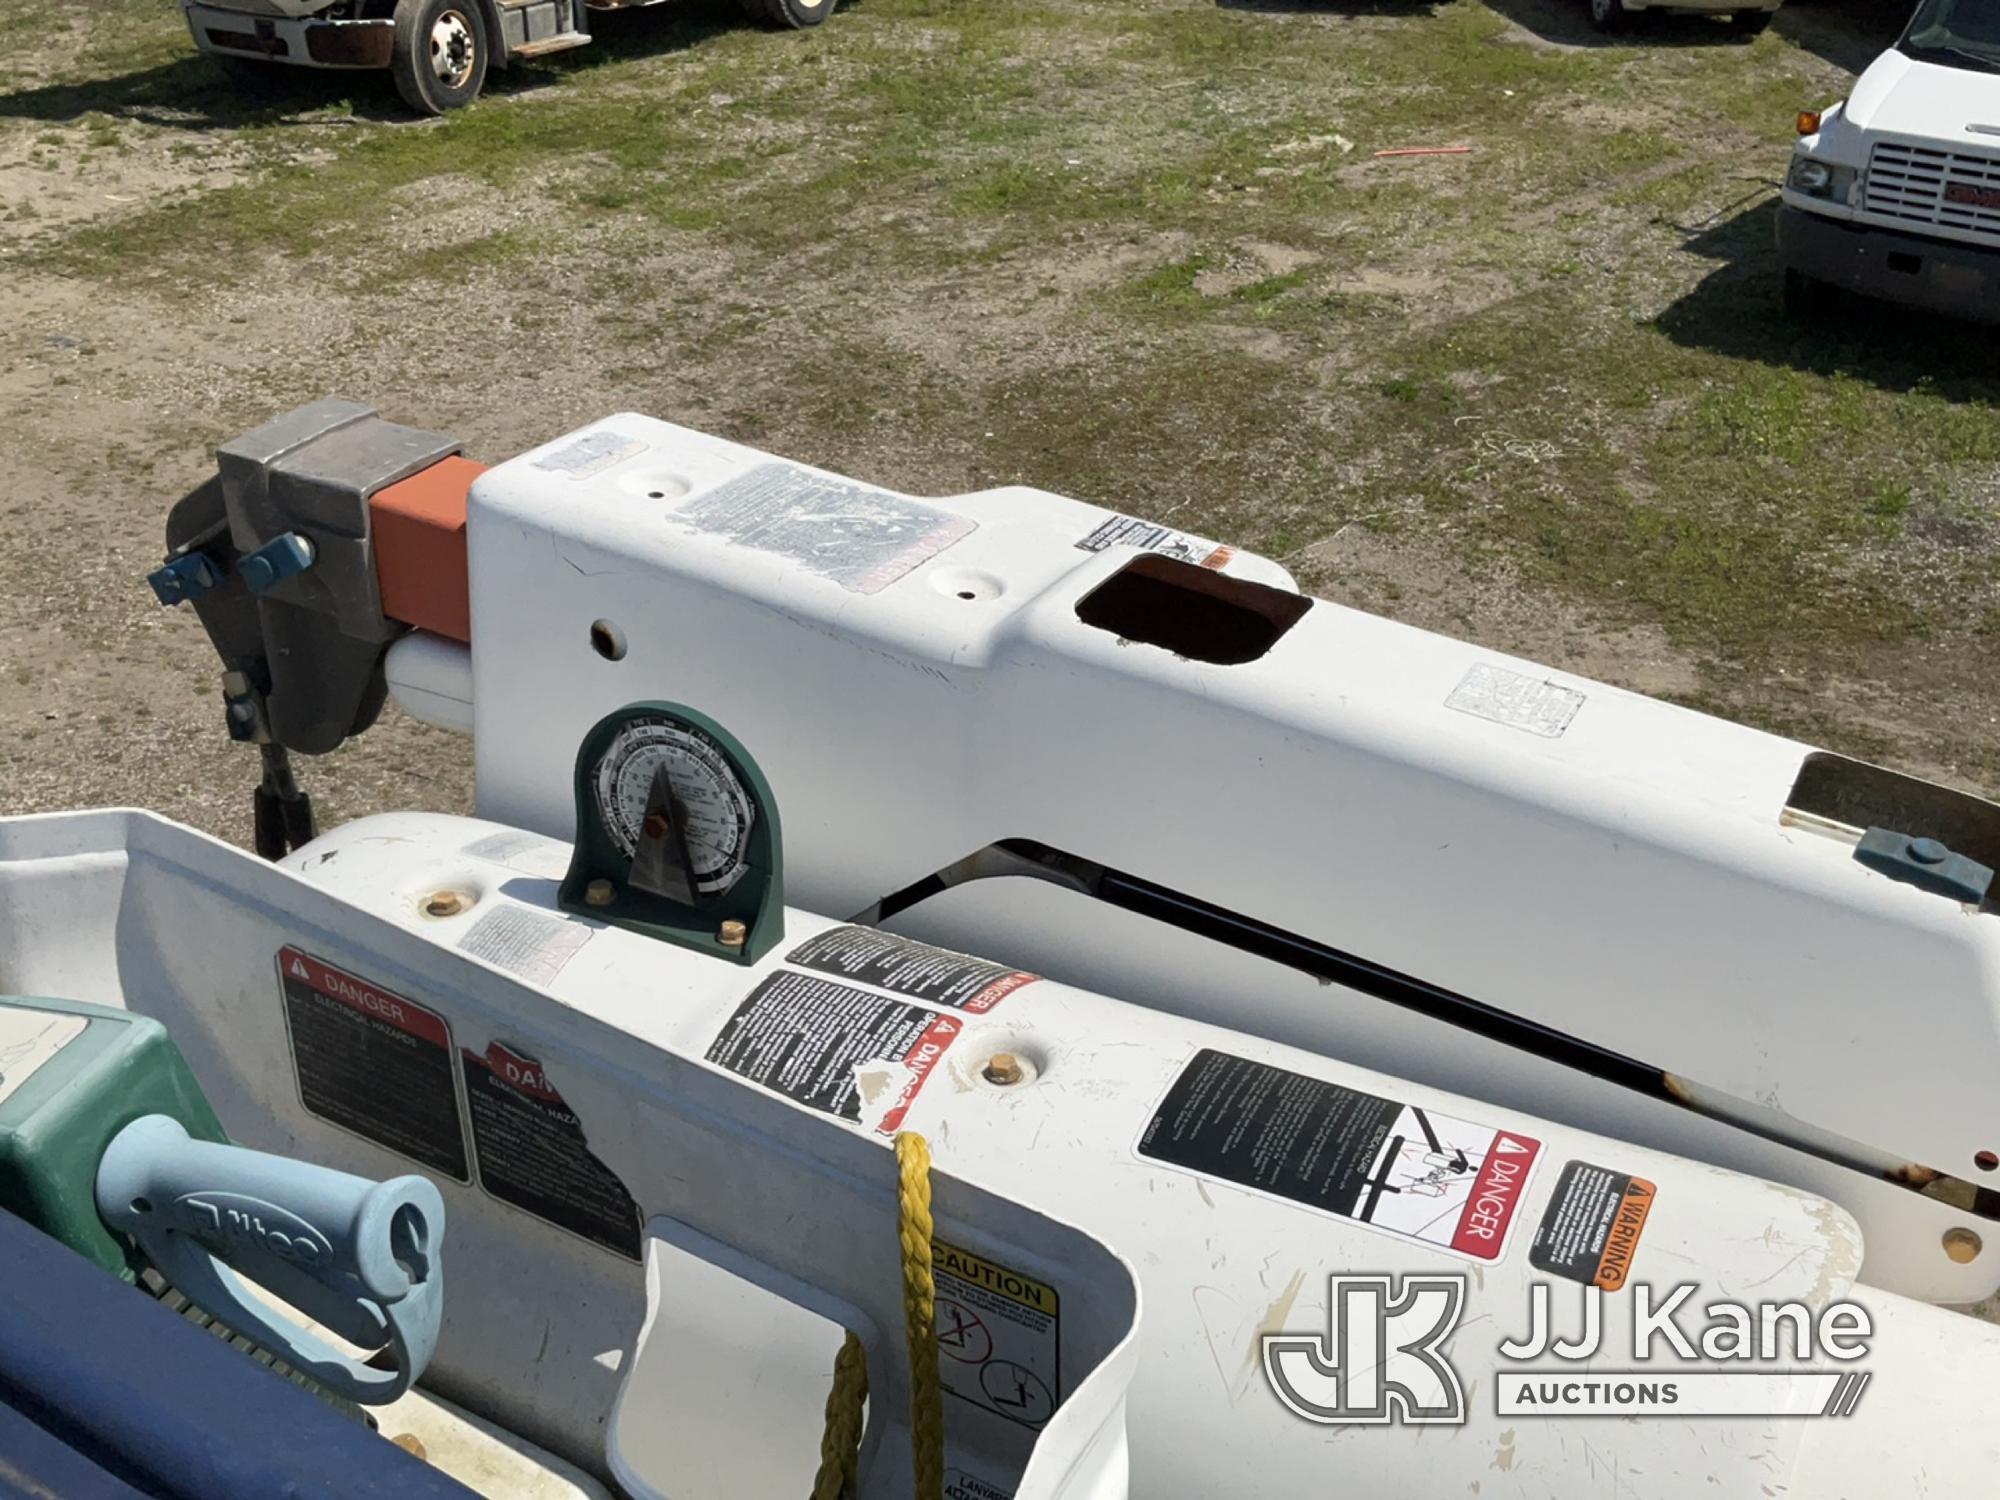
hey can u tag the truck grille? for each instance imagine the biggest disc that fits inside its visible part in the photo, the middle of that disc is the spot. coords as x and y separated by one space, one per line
1923 185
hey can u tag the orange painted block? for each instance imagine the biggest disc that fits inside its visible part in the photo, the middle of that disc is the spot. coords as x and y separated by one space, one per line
419 530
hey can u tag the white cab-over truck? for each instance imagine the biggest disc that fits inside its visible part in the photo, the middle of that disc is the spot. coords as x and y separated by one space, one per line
438 50
1895 191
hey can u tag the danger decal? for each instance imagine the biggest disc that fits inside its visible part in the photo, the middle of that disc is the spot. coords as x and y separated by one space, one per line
1440 1181
1590 1230
831 1047
533 1155
936 976
372 1061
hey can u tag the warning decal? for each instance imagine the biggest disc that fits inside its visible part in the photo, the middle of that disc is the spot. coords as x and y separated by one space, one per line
1590 1230
532 1153
1440 1181
834 1048
936 976
999 1337
1125 531
372 1062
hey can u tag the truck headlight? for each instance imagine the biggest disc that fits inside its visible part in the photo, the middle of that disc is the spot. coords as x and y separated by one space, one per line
1821 179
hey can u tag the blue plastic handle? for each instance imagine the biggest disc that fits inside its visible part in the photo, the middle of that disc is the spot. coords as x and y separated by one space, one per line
362 1258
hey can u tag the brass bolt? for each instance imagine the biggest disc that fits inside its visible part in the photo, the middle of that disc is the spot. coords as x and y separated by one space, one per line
732 934
1003 1068
1962 1245
600 893
655 826
411 1444
444 904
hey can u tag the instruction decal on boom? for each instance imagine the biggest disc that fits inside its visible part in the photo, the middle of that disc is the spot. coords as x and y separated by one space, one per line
860 1056
936 976
1444 1182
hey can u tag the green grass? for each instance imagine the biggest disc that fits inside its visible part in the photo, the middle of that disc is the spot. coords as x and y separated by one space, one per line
1558 359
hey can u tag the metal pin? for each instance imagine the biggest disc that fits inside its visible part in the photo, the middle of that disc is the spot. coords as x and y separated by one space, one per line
732 934
600 893
1003 1068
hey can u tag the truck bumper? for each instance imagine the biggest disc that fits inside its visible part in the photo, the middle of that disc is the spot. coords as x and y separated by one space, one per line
1941 275
304 43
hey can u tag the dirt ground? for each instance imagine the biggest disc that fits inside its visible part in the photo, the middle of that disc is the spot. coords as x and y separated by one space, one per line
1538 396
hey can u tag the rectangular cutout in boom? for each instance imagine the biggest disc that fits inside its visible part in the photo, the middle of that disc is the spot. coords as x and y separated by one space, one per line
1193 612
1856 795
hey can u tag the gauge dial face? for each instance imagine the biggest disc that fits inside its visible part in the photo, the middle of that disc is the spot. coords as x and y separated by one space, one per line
718 810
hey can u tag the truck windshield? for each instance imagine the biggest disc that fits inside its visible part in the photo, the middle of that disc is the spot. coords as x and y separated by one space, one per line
1956 33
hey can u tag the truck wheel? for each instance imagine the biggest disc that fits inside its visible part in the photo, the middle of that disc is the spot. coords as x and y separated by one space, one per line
1609 16
439 60
1750 22
793 13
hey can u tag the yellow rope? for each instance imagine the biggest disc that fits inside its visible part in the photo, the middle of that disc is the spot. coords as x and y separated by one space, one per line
840 1443
913 1228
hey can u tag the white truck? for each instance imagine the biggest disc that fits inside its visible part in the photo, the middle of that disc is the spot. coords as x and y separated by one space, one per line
438 50
1895 191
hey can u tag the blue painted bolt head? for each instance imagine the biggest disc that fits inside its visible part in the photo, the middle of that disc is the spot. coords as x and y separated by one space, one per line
1928 852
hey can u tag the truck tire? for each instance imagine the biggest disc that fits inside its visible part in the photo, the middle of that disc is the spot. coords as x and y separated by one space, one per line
440 56
792 13
1610 16
1750 22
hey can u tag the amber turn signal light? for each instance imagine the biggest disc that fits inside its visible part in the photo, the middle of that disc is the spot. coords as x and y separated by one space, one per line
1808 121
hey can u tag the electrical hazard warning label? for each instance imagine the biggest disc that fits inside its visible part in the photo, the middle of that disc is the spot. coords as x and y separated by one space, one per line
1410 1172
999 1337
532 1153
936 976
1590 1230
373 1062
835 1048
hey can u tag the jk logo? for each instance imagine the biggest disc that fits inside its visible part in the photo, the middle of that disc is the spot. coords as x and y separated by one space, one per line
1378 1361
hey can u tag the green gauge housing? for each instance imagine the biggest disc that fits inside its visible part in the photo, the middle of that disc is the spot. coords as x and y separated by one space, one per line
677 834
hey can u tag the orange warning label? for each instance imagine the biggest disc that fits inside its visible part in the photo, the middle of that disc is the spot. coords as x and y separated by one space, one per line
1614 1262
1591 1228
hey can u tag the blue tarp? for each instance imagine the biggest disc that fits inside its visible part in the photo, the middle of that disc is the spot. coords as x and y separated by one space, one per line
104 1392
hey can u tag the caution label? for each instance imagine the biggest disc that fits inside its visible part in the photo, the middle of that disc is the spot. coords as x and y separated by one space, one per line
835 1048
1590 1230
1449 1183
936 976
532 1153
373 1062
999 1339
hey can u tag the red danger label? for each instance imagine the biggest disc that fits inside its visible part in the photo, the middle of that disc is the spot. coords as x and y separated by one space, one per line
1496 1193
360 995
373 1062
920 1059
